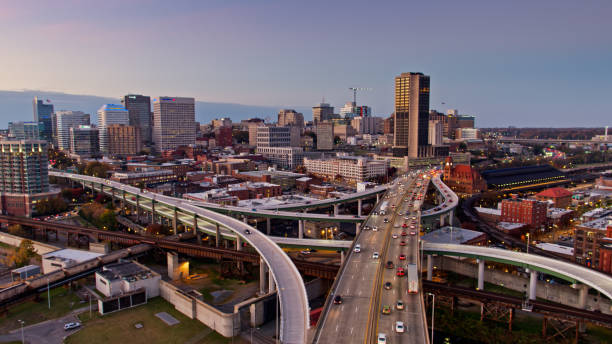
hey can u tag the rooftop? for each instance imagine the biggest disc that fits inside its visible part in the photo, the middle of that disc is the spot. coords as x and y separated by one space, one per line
451 235
600 224
555 193
72 254
491 211
509 225
125 270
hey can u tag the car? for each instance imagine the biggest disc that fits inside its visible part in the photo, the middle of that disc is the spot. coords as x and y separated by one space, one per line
387 285
386 310
412 233
247 231
402 243
253 209
375 255
399 305
382 338
337 300
72 325
357 248
399 327
305 252
386 220
366 227
394 236
389 265
404 233
402 257
375 228
404 226
400 272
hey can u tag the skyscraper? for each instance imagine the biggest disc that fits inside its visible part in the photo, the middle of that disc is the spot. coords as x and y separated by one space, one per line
173 122
139 108
84 141
25 130
322 112
411 120
65 121
42 114
110 114
290 117
123 140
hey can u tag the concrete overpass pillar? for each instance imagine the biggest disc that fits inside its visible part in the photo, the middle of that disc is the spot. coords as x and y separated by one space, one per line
341 257
481 266
271 282
153 210
359 207
137 208
450 217
429 267
174 220
336 209
238 243
583 292
195 229
217 235
268 225
301 229
262 276
533 281
377 198
442 220
123 202
357 228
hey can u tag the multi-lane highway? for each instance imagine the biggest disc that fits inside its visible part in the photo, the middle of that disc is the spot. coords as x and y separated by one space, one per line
360 286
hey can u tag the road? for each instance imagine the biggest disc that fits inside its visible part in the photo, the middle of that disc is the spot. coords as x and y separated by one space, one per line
46 332
361 282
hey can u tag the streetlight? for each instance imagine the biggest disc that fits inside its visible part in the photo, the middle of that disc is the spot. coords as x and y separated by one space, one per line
433 309
527 235
22 337
48 294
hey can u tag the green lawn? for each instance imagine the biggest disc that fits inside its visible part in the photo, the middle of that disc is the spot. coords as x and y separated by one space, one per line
119 326
62 302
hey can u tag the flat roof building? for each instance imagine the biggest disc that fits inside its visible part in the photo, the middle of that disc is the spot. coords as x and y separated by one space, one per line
173 122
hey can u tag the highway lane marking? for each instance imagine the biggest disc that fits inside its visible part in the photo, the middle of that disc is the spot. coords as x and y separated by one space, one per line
351 330
337 327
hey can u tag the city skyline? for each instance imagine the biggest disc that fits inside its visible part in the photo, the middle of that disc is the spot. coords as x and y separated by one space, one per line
507 64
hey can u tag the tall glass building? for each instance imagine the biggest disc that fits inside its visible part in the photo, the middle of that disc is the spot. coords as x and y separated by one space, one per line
110 114
43 114
25 130
139 108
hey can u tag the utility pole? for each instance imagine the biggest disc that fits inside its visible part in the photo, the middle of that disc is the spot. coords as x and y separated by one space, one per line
22 336
48 294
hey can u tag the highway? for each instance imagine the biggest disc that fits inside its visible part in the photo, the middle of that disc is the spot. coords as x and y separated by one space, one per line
291 290
450 198
360 282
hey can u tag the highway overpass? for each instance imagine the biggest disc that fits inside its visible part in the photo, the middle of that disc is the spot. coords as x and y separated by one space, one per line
291 290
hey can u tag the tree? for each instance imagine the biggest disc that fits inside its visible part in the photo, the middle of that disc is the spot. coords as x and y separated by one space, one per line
22 255
96 169
17 230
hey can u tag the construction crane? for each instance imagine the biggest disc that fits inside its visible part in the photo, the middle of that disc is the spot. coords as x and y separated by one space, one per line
355 89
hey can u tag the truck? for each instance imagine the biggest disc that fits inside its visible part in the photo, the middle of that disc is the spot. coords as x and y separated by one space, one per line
413 278
383 208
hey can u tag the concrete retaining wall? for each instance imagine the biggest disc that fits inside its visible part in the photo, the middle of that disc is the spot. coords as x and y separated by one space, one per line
562 294
39 247
226 324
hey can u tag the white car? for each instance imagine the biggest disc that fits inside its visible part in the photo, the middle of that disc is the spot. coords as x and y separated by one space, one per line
357 248
394 235
399 327
375 228
382 338
375 255
71 325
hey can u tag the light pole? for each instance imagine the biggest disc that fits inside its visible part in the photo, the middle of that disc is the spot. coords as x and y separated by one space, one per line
433 309
527 235
48 294
22 337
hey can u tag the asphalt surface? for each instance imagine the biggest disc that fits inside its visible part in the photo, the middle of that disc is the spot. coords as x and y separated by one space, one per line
47 332
360 285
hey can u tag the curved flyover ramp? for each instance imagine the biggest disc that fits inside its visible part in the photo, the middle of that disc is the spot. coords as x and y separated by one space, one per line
568 271
451 200
291 290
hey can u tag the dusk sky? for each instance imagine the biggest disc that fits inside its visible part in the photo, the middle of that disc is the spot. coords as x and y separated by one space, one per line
521 63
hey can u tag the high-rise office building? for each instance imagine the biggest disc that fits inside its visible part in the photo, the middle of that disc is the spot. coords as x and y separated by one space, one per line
123 140
325 135
322 112
110 114
139 108
25 130
173 122
66 120
351 110
84 141
435 132
268 136
411 120
24 176
290 117
43 114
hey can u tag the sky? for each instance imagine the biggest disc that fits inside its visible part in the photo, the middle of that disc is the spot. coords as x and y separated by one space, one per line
521 63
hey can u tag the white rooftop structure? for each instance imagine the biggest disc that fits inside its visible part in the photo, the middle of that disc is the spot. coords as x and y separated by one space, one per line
65 258
490 211
451 235
509 225
568 251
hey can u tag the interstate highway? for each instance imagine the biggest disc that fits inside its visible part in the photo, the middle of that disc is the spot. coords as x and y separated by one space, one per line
347 322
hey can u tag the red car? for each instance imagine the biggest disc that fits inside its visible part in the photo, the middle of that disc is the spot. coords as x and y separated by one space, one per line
400 272
404 226
404 233
402 257
402 243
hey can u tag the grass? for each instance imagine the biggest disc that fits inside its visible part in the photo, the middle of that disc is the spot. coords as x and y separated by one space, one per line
62 302
119 326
